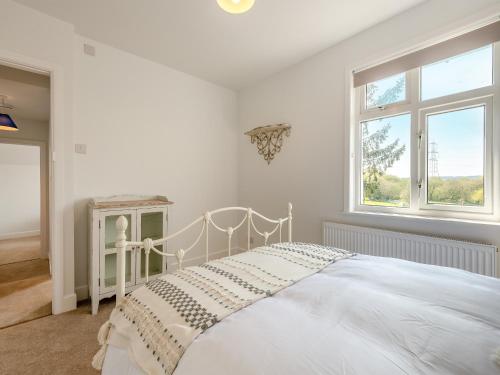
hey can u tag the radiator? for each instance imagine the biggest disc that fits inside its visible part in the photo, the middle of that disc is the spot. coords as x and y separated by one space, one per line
473 257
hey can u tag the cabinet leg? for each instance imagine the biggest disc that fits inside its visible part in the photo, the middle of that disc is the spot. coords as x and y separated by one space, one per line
95 305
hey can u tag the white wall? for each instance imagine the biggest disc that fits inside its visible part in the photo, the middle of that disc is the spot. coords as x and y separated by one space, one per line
141 122
311 96
150 130
19 190
42 41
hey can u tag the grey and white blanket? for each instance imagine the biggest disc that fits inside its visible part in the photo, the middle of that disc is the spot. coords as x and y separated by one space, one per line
158 322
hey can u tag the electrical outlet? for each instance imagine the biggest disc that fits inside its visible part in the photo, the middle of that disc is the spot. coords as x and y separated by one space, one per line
81 148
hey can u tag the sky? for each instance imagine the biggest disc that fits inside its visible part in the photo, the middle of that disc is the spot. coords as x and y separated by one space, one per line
459 135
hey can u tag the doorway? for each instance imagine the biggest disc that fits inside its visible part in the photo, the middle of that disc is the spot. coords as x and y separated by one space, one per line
25 271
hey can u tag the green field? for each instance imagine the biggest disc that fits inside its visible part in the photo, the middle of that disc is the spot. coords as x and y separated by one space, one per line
394 191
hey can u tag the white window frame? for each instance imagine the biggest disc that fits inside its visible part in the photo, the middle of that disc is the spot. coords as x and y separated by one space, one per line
488 96
487 102
359 169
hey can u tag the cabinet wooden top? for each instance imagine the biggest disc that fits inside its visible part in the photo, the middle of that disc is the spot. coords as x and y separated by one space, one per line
128 201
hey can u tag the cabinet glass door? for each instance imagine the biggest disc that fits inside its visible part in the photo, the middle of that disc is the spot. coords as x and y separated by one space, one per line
110 269
110 232
152 224
109 256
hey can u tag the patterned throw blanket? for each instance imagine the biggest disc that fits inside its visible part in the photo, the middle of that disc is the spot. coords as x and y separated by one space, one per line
159 321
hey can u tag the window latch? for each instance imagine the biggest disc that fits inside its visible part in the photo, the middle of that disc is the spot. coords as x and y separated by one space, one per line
419 185
420 136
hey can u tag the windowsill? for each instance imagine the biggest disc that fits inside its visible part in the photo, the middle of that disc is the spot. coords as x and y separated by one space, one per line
431 219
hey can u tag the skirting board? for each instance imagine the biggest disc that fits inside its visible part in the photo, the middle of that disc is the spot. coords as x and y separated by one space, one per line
82 291
11 236
69 303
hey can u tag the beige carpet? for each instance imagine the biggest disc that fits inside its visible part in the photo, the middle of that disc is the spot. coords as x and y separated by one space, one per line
19 249
55 345
25 291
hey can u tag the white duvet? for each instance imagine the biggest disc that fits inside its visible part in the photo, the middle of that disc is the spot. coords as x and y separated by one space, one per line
360 316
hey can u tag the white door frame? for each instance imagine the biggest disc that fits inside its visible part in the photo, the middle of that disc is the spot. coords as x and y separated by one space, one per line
57 201
44 194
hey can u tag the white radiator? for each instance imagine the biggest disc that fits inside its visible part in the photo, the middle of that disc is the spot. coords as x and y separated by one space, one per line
468 256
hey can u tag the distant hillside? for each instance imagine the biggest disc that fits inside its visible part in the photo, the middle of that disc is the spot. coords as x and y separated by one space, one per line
459 177
389 190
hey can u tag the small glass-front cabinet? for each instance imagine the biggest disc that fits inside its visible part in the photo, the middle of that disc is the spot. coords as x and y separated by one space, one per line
147 218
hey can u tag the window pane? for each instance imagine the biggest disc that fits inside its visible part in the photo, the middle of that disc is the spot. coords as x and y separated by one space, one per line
386 161
455 157
386 91
471 70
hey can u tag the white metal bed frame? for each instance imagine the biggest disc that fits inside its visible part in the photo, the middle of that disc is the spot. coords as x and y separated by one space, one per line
149 245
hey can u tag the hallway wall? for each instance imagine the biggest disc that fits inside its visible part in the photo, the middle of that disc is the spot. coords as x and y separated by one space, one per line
19 190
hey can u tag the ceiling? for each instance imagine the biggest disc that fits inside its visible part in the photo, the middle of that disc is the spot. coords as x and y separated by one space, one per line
197 37
28 92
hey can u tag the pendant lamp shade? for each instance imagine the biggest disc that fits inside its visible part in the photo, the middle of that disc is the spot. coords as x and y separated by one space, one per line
236 6
6 123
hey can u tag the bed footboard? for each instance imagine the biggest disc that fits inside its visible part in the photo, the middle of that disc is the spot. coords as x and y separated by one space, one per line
207 221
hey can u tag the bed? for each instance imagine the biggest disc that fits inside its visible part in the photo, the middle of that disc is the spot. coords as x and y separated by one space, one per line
337 313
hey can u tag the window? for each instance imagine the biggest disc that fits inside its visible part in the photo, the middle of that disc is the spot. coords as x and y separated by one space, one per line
471 70
455 157
386 143
386 91
423 139
456 153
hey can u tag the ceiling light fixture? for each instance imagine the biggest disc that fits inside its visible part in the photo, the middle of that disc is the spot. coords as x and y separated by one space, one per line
236 6
6 122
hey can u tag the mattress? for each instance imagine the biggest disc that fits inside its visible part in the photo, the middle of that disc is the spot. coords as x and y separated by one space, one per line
363 315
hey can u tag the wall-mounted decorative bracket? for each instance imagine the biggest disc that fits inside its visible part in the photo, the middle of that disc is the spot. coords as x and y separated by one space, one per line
269 139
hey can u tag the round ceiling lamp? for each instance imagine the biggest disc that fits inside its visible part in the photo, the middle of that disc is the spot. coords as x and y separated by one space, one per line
236 6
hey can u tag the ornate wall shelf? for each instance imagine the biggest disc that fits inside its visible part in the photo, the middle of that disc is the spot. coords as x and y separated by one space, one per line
269 139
